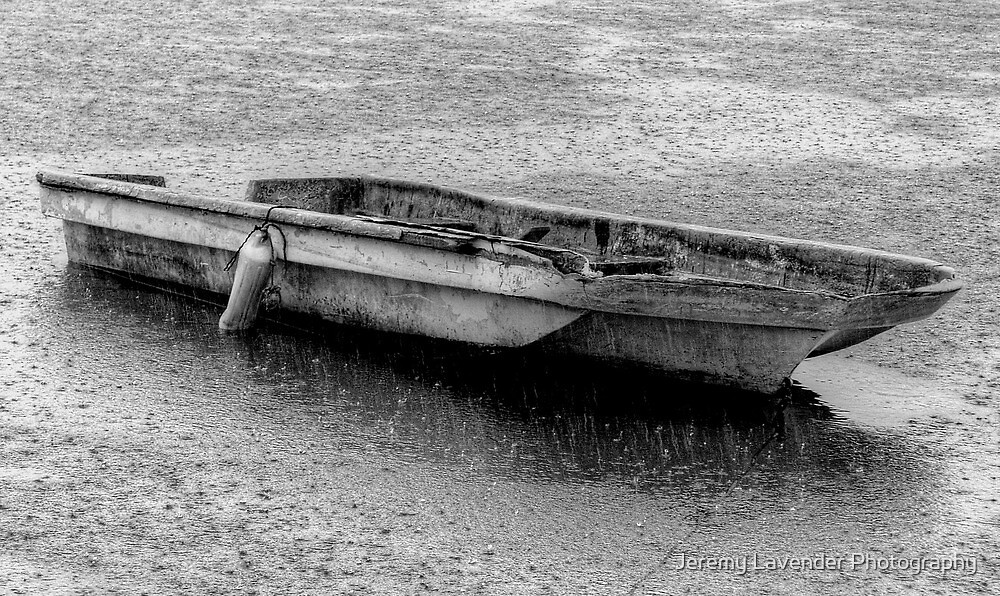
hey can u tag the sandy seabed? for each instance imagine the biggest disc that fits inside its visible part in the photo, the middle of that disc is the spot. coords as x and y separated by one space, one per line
127 470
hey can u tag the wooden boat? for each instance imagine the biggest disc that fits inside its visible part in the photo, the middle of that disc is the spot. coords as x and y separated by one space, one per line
702 304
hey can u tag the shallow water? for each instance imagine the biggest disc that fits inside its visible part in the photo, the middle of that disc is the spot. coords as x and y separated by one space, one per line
381 455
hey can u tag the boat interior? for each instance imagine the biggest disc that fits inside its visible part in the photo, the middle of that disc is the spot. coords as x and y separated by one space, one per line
609 244
613 244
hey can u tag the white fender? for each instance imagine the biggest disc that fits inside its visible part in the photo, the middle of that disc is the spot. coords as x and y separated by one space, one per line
253 269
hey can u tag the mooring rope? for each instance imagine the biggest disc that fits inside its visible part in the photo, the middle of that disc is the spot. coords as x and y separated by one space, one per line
264 226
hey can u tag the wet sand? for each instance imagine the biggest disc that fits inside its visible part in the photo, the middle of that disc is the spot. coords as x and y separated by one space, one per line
144 452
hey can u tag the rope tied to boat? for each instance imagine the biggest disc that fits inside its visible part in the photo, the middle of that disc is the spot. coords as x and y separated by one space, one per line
264 226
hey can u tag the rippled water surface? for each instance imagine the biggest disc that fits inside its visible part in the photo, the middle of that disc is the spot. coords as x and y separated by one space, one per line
455 461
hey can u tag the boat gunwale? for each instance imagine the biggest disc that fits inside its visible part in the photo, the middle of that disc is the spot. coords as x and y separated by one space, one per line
394 230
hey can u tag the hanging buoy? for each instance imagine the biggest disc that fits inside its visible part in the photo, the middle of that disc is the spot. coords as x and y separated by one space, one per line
253 269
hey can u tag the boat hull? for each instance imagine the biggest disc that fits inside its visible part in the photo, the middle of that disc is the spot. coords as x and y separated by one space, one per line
725 354
754 357
337 295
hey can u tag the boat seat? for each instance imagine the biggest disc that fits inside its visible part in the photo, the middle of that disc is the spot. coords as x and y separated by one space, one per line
632 265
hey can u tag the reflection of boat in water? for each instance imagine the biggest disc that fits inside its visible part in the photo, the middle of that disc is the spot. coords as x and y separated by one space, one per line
345 390
707 305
